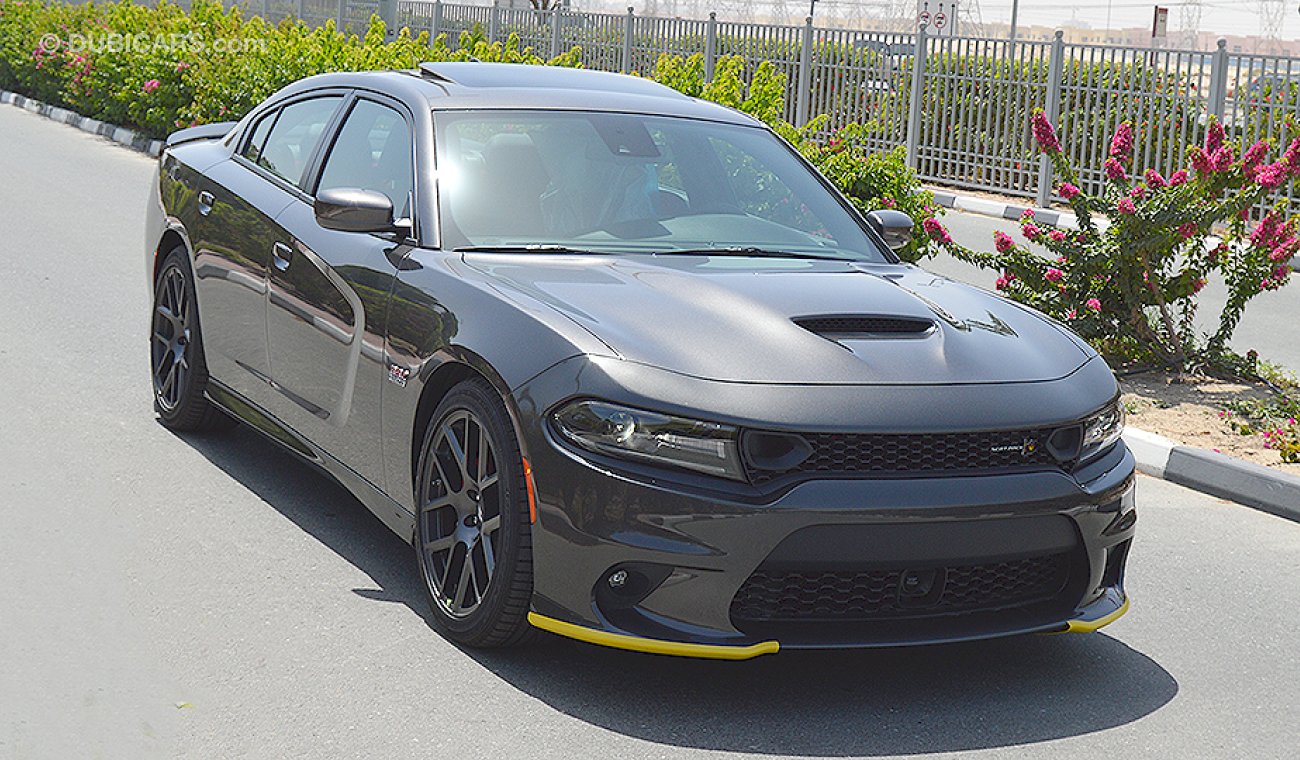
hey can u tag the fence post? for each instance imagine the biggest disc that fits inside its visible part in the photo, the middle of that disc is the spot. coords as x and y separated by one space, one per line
629 25
555 30
710 46
914 106
1218 105
1053 111
298 9
435 22
343 15
388 14
803 96
494 22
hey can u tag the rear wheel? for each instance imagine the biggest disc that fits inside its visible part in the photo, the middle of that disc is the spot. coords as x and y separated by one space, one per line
473 535
180 373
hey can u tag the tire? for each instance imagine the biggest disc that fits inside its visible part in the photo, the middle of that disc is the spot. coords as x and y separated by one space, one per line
177 366
473 519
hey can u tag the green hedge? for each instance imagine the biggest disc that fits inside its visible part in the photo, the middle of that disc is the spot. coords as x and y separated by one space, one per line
157 69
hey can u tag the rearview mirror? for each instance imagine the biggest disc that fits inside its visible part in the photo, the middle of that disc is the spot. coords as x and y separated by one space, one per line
894 226
351 209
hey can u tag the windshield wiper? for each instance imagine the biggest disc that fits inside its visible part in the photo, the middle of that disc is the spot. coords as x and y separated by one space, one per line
536 248
742 250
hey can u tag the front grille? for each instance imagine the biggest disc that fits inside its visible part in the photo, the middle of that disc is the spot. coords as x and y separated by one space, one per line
774 595
926 453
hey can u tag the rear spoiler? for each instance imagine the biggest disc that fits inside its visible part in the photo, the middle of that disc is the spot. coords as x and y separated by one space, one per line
202 132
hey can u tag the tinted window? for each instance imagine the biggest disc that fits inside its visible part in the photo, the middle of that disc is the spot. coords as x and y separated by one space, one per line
253 148
372 152
295 135
625 183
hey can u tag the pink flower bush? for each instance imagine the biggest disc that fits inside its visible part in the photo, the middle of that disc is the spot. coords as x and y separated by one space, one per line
1271 177
1121 145
1214 137
936 231
1201 162
150 86
1044 133
1222 159
1147 268
1253 156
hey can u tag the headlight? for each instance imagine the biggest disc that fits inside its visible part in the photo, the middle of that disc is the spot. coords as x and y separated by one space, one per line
1101 430
651 437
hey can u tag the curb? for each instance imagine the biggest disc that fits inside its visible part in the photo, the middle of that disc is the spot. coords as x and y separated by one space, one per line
948 198
120 135
1207 471
1216 474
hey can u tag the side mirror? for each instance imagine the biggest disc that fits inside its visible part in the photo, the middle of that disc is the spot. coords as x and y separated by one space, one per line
351 209
894 226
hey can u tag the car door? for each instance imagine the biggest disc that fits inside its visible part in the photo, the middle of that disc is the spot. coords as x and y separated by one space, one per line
328 291
238 201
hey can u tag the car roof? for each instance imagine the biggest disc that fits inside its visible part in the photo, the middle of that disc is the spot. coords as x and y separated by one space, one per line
472 85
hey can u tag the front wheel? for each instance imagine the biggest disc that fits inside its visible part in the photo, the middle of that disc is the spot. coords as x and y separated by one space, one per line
473 535
179 370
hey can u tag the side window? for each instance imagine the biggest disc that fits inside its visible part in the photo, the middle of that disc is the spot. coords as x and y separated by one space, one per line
253 148
373 152
295 135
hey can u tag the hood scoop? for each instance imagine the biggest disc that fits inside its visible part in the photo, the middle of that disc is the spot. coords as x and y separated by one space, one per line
865 326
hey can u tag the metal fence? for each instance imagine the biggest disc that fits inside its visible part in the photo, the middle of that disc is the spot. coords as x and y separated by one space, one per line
964 121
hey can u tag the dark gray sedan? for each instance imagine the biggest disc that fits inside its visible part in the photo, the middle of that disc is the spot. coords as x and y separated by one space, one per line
622 366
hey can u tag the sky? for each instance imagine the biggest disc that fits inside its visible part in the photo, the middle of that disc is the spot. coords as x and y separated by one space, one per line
1219 16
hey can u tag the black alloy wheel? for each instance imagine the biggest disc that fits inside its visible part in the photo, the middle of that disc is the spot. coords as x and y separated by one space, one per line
473 535
177 364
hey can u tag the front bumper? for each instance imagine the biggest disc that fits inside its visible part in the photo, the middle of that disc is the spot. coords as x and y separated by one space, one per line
686 555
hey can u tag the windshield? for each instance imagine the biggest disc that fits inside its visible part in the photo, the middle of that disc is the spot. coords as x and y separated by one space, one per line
612 183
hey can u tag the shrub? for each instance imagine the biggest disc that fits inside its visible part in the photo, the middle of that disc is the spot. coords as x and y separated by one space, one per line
159 68
171 69
1130 287
870 179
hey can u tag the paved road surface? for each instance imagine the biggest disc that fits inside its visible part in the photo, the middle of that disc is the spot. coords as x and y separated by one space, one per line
210 597
1271 324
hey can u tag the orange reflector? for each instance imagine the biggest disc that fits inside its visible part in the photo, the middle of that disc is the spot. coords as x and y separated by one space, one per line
532 495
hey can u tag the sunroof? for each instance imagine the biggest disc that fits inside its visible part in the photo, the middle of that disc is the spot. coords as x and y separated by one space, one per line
469 74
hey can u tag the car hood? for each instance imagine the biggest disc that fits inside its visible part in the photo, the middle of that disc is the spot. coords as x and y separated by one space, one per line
733 319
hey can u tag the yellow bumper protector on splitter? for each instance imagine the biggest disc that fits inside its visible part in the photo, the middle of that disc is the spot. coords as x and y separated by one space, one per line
1088 626
651 646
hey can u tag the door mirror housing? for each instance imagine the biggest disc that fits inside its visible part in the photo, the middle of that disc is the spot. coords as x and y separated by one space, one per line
351 209
894 226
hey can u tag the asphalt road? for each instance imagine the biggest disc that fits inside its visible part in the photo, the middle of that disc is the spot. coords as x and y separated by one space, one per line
1271 324
210 597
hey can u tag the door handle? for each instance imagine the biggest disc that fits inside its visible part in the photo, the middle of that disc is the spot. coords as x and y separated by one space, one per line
281 256
205 202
